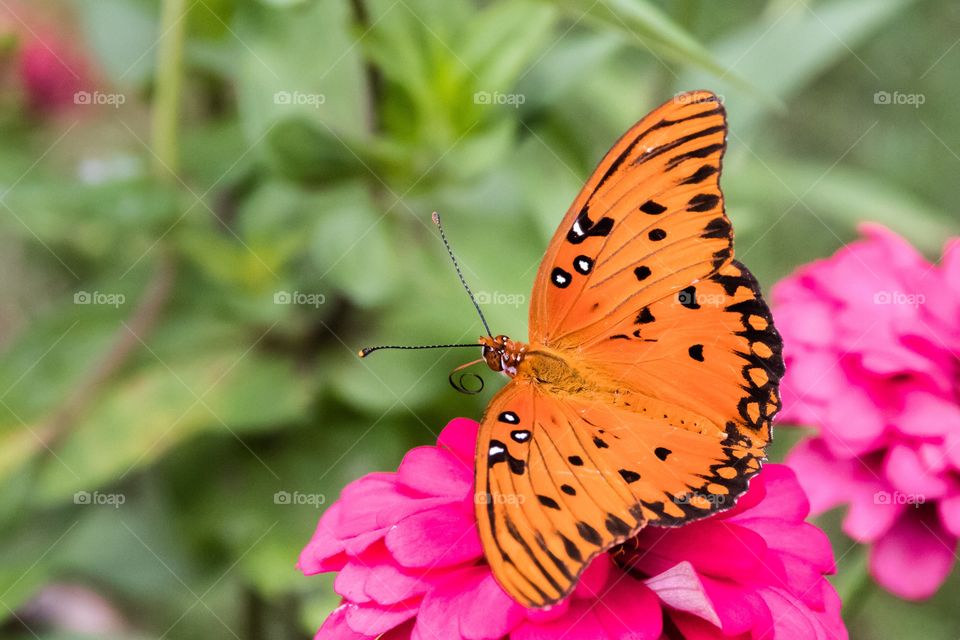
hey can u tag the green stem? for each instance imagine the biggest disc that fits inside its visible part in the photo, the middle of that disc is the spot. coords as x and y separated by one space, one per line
856 589
168 87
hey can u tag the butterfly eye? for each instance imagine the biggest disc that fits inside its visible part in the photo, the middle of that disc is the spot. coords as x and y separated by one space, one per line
492 358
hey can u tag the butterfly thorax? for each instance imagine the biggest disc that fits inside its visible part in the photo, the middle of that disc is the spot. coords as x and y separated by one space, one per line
536 362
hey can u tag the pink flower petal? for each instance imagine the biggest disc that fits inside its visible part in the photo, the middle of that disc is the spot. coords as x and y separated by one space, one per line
914 558
469 605
581 623
949 511
372 619
680 588
436 472
925 414
460 438
630 611
435 538
906 471
335 627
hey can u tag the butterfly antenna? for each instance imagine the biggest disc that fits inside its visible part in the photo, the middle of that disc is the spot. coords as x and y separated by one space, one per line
363 353
456 265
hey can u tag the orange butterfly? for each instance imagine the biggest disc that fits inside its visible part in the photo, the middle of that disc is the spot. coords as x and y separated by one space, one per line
645 393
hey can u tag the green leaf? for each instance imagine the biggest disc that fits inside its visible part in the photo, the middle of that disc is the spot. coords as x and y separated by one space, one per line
303 150
643 21
350 245
839 198
787 49
503 39
117 31
298 63
230 392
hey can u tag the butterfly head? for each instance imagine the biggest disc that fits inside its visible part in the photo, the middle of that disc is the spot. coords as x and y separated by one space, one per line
503 354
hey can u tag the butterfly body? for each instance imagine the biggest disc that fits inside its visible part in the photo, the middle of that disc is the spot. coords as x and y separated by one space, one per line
646 391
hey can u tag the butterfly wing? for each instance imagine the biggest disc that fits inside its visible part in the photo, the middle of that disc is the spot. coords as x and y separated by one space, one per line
560 479
648 222
639 281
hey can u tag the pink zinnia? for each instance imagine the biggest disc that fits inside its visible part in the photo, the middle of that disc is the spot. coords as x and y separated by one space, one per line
871 336
410 566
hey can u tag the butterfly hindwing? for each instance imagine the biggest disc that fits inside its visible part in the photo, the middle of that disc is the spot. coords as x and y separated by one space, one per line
710 347
560 479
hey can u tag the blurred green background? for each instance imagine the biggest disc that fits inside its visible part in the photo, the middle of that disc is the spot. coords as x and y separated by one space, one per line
207 207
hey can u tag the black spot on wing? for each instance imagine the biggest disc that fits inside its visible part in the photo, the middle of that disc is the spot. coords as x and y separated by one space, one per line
642 272
652 208
616 526
572 550
548 502
688 298
644 317
589 534
560 278
583 227
701 174
718 228
703 202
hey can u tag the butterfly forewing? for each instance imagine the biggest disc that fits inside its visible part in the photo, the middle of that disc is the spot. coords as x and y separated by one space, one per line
649 221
